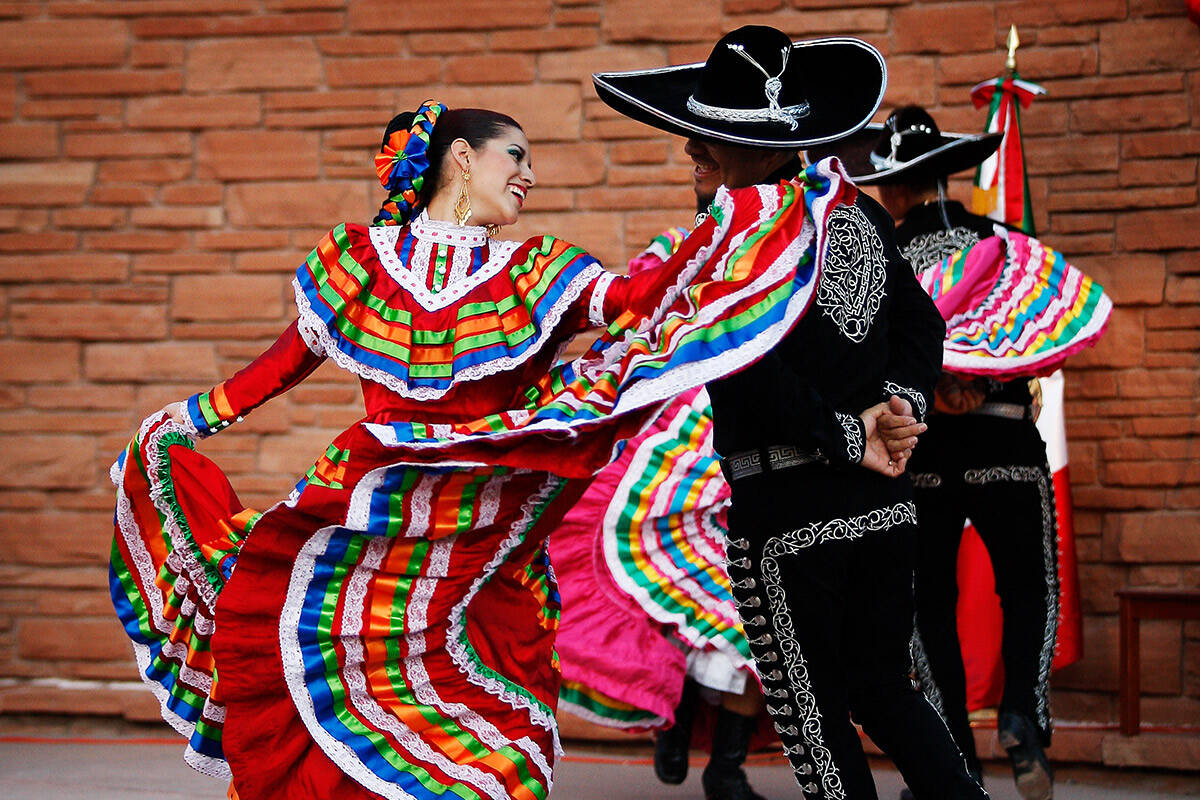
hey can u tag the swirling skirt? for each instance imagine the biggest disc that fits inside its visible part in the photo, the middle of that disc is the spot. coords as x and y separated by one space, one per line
641 564
350 664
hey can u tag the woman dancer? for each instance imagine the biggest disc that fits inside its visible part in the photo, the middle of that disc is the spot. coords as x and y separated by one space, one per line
388 629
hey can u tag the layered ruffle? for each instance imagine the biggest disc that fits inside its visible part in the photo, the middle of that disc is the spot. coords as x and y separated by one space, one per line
417 665
1014 307
360 305
644 580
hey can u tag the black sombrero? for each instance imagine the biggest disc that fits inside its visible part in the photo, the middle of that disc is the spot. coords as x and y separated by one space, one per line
907 148
758 88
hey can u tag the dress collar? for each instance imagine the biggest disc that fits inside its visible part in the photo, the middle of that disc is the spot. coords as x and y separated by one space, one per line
439 232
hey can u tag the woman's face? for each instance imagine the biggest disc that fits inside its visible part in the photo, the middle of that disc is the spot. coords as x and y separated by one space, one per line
501 177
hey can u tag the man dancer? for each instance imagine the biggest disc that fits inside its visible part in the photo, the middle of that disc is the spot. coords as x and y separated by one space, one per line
981 459
821 526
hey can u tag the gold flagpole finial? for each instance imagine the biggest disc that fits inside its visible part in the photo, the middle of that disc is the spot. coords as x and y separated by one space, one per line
1013 43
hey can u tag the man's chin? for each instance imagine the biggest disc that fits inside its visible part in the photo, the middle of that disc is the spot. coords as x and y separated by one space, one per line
705 190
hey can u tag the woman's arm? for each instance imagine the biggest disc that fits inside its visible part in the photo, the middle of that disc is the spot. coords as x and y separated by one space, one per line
283 365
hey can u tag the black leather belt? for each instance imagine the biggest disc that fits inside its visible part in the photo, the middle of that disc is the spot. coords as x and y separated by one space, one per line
768 459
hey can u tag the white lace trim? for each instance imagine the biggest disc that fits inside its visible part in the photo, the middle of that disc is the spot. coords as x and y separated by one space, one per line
309 328
1040 476
414 275
596 303
441 232
438 563
1015 291
293 670
312 323
177 651
421 505
456 630
341 753
358 511
656 390
648 538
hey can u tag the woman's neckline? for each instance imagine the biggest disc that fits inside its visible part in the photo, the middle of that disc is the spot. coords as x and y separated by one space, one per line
442 232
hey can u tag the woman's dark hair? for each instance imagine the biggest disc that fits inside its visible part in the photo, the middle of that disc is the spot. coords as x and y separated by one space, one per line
476 125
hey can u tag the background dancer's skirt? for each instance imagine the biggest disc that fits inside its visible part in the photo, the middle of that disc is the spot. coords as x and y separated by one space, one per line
1014 307
640 560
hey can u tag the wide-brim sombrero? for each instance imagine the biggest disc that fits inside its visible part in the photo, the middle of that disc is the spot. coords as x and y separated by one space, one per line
951 153
827 89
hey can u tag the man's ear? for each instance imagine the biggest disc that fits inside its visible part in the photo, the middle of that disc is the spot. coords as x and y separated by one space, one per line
462 152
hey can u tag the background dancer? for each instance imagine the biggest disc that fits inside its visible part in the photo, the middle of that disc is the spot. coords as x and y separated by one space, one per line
981 459
820 526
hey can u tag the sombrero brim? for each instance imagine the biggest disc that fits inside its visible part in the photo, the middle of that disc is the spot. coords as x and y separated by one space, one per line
658 97
957 152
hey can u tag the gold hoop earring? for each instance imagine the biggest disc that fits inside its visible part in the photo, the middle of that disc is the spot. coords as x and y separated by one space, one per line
462 206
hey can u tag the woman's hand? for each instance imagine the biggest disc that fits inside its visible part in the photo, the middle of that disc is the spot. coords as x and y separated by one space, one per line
176 411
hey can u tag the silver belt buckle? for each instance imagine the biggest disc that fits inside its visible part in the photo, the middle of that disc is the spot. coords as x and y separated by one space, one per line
745 464
1004 410
749 462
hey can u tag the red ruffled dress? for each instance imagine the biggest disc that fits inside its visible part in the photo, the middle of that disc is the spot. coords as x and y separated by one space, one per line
387 631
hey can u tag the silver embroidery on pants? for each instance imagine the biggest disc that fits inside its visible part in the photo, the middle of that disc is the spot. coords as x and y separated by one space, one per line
783 626
924 672
1041 477
926 480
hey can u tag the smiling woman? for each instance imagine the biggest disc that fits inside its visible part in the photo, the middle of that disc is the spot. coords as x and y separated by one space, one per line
387 630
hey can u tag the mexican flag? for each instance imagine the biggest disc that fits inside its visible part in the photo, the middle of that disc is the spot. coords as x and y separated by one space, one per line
1001 188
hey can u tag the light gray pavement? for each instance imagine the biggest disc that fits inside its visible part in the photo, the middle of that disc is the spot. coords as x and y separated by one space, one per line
47 768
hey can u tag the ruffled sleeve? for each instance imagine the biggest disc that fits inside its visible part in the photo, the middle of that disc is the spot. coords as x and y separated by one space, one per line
362 303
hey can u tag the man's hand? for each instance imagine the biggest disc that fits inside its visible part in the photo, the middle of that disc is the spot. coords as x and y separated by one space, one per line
876 456
898 428
954 395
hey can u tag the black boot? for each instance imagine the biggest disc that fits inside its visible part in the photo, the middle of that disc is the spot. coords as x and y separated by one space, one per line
671 745
724 778
1031 770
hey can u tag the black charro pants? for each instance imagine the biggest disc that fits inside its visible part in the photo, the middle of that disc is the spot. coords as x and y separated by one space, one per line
826 603
992 471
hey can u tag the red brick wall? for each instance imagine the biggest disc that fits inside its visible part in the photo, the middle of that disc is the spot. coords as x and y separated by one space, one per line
166 163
